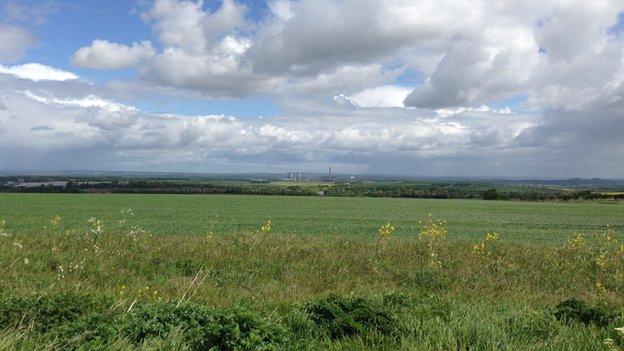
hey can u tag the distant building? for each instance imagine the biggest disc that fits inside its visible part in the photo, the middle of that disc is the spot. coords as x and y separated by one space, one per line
293 176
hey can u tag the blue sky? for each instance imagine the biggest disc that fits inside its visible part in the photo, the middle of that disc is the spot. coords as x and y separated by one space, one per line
73 24
443 87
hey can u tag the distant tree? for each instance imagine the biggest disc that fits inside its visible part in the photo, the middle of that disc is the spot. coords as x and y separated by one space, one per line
491 194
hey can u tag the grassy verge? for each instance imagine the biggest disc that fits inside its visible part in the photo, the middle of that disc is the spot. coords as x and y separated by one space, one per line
90 288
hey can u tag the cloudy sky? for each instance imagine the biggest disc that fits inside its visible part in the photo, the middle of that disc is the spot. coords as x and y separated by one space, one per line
489 88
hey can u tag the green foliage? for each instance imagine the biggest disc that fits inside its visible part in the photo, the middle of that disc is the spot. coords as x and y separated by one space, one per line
339 316
579 311
203 328
491 194
315 216
64 290
93 331
45 312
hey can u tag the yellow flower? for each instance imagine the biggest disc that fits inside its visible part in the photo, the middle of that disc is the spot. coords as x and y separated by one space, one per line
492 236
55 221
601 260
432 229
600 288
266 228
386 230
577 243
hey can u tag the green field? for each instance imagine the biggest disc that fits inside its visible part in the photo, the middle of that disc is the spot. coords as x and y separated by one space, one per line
202 272
531 222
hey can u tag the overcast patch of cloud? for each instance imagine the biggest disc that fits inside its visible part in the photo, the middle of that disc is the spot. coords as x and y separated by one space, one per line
73 124
14 42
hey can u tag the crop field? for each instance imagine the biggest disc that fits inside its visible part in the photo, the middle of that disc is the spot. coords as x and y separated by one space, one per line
208 272
531 222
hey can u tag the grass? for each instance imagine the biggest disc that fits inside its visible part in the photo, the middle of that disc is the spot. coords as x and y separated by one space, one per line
198 214
115 284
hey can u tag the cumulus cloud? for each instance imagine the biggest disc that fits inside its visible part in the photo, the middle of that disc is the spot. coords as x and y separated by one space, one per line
469 53
102 54
391 86
69 124
540 50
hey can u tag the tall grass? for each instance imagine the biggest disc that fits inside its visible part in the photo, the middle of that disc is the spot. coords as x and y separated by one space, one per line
444 294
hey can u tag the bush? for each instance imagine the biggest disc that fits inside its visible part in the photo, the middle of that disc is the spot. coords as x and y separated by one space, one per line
92 332
339 317
580 311
203 328
46 312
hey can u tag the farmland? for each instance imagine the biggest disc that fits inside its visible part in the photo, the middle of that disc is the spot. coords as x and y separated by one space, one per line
163 272
532 222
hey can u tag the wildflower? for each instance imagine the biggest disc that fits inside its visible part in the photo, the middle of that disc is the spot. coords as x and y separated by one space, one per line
2 228
601 260
477 249
577 243
386 230
127 212
18 245
96 227
55 221
432 233
26 261
136 232
600 289
266 228
492 236
432 229
609 234
620 330
610 344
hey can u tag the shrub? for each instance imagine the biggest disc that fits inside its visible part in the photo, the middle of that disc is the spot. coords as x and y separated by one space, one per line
339 317
580 311
92 332
46 312
203 328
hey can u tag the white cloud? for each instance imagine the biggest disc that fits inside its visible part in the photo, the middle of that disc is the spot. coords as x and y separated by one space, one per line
37 72
468 52
14 41
344 79
115 134
282 9
86 102
382 96
462 57
102 54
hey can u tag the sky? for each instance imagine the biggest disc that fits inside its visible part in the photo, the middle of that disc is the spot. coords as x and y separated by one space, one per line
454 88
